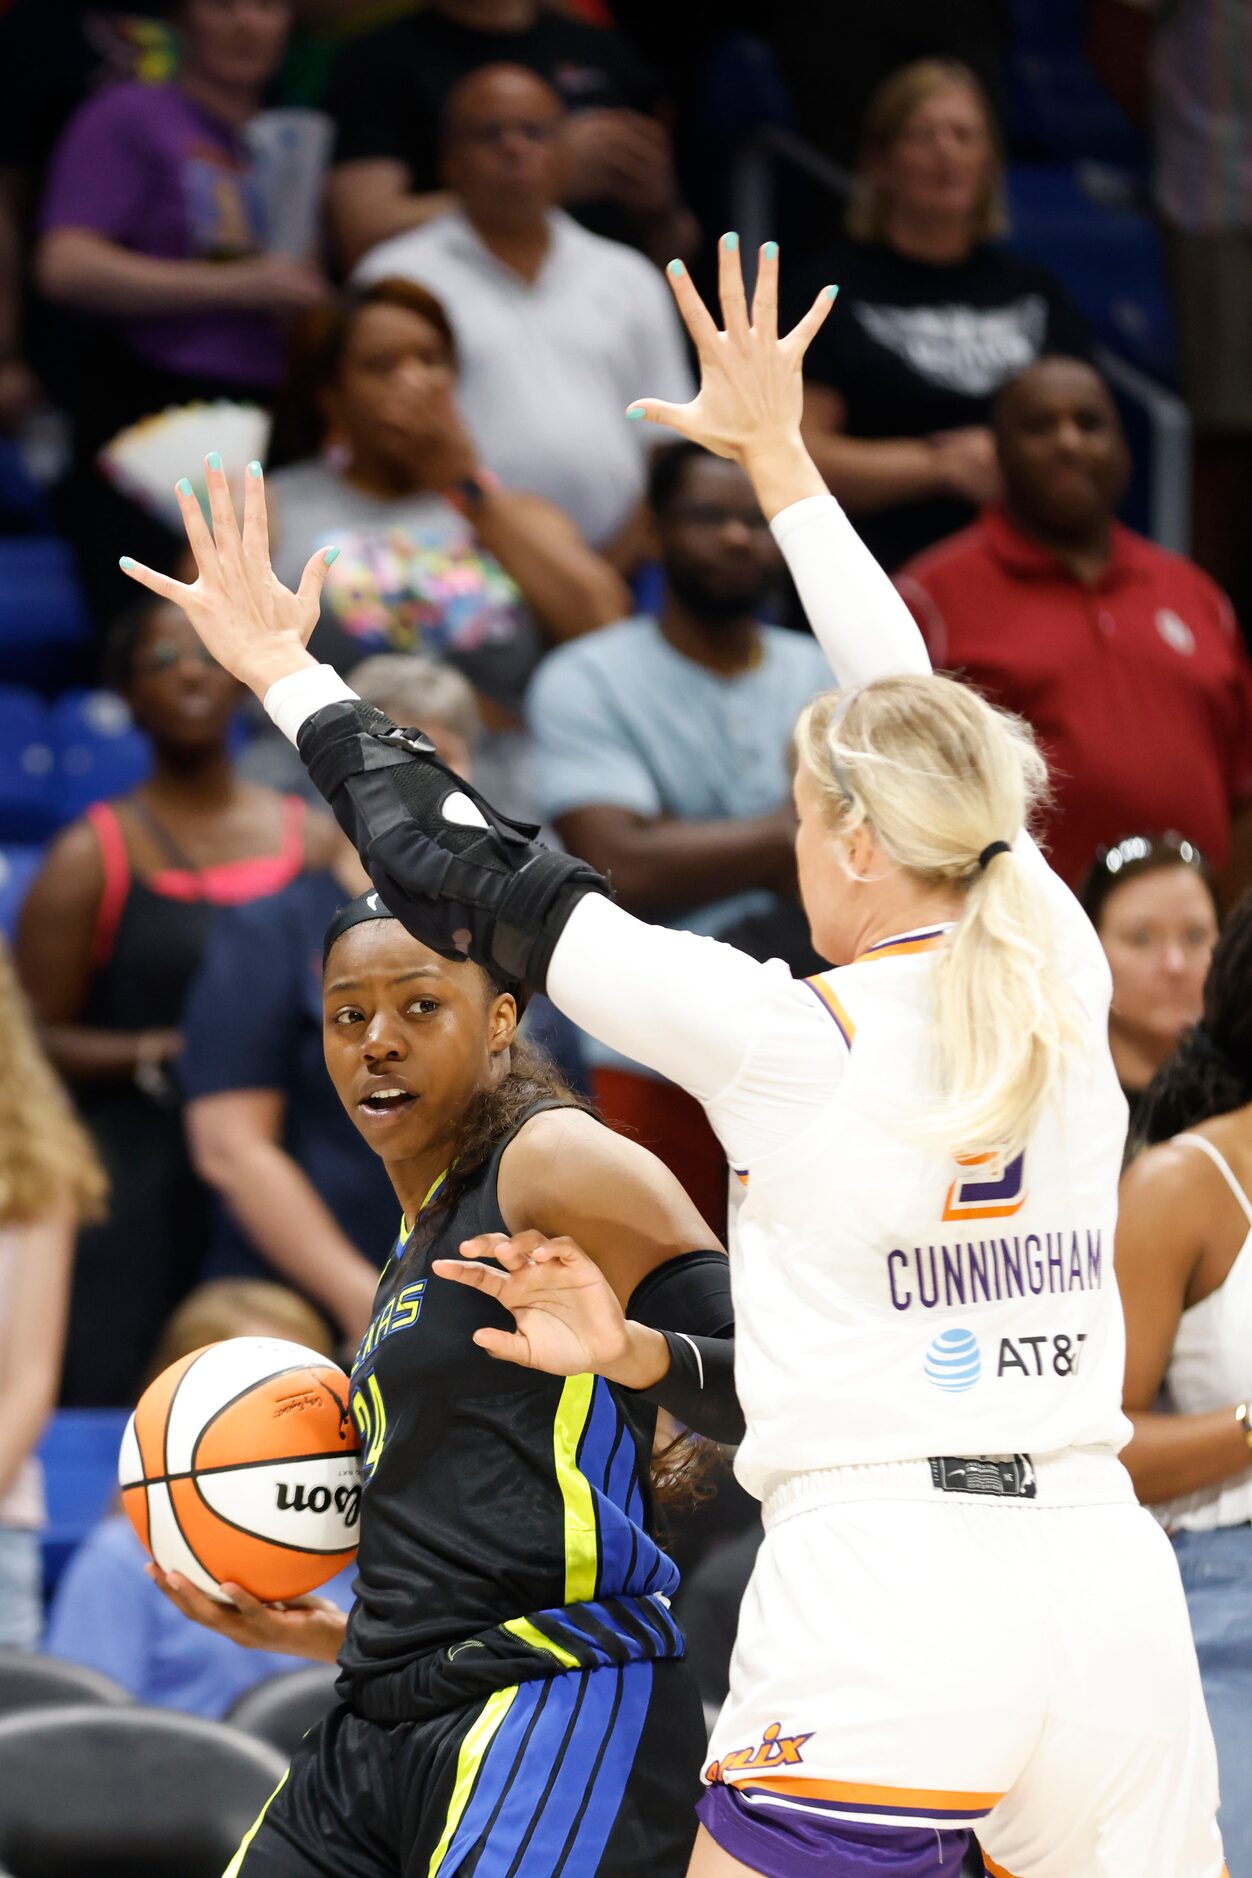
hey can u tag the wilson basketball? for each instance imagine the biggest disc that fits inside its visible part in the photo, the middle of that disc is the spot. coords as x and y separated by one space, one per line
240 1464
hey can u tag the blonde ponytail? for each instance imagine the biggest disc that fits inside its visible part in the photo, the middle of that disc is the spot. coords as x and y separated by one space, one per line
939 774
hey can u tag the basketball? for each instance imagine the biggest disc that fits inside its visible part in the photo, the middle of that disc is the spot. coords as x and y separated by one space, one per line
240 1465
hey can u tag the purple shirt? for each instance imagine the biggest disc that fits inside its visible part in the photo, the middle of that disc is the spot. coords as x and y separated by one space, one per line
147 167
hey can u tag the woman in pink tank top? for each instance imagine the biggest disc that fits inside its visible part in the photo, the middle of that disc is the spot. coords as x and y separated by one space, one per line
110 939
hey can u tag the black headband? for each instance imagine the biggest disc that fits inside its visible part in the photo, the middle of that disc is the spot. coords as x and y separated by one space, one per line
371 905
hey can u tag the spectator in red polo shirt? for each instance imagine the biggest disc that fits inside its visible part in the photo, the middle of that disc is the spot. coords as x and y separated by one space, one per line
1125 658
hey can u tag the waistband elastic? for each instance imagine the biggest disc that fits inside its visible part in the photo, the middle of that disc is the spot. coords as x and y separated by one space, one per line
1073 1478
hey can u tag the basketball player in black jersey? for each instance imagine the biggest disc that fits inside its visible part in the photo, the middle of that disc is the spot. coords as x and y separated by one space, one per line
514 1700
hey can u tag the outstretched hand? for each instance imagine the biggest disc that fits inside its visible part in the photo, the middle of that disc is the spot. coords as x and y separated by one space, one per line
253 625
751 394
569 1320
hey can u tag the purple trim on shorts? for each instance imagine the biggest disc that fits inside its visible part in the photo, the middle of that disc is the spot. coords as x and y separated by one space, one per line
781 1843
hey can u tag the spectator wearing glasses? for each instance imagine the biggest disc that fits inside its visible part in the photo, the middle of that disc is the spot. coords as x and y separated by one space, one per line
391 88
1153 901
109 940
555 328
1125 659
1184 1269
663 748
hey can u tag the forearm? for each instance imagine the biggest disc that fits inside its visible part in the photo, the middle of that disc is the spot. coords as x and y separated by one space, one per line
867 474
567 586
82 269
84 1054
656 866
288 1222
1171 1455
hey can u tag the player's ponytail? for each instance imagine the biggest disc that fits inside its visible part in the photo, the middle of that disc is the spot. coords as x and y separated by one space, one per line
940 776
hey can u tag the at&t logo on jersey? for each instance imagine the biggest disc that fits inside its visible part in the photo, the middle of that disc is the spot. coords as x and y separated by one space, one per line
953 1361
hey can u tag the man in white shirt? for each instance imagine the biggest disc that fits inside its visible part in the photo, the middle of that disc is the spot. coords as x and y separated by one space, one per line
555 327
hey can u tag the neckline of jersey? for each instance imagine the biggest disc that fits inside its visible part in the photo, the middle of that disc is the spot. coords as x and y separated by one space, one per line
432 1192
897 945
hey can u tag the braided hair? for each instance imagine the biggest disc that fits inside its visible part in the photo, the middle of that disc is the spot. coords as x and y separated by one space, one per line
1210 1071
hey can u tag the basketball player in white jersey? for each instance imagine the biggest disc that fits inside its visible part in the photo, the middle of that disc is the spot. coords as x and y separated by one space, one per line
960 1619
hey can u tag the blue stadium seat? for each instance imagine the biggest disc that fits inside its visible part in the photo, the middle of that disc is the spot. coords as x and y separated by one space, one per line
44 626
1108 257
18 867
28 804
99 751
1057 106
79 1457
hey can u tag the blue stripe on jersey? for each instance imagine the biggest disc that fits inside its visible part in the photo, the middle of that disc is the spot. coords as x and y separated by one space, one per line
567 1826
630 1562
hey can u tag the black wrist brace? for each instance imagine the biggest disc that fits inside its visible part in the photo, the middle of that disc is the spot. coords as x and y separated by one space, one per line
469 882
688 1300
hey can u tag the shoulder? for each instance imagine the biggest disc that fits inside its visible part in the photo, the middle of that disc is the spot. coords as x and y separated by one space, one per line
1176 576
1164 1194
121 107
411 255
74 863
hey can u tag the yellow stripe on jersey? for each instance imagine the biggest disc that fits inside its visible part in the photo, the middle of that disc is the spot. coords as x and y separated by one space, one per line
582 1555
236 1864
526 1632
478 1739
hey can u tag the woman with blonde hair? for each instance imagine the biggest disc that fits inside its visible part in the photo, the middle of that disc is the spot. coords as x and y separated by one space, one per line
960 1619
50 1182
935 316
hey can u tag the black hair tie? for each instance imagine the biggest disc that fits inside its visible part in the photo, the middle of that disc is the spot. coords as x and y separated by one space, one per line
992 849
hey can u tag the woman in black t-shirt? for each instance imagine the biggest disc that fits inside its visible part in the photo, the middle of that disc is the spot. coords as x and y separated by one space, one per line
932 318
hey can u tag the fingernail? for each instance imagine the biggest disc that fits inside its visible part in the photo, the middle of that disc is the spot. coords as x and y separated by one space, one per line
213 459
126 563
832 293
730 242
183 486
634 415
675 270
254 469
331 554
770 251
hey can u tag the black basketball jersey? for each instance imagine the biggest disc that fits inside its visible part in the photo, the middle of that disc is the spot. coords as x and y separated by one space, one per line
506 1515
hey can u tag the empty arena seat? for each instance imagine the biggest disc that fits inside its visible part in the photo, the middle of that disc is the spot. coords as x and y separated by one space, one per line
283 1708
45 631
127 1793
18 866
28 806
28 1680
99 752
78 1454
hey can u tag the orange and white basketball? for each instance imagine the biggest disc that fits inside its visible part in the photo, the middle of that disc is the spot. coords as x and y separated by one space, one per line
240 1465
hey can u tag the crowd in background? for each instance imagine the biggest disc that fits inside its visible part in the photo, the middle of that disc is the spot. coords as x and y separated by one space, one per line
417 251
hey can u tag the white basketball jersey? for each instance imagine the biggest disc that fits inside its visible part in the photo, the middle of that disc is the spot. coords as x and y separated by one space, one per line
895 1304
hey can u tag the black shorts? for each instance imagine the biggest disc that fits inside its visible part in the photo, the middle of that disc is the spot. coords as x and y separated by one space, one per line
590 1774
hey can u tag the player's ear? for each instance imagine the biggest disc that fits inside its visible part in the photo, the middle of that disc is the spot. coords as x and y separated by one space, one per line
502 1022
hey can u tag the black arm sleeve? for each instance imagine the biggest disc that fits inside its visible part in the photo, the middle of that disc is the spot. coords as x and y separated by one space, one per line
688 1300
463 879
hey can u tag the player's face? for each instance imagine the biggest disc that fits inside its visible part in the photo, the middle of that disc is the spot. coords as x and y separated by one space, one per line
1158 932
825 890
1061 448
409 1038
942 160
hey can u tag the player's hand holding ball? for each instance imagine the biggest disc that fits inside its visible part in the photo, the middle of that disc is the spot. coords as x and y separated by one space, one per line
239 1469
307 1627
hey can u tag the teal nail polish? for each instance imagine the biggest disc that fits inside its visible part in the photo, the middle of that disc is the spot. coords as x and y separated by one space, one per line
832 293
254 469
675 270
634 416
331 554
770 251
730 242
213 459
126 563
183 486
